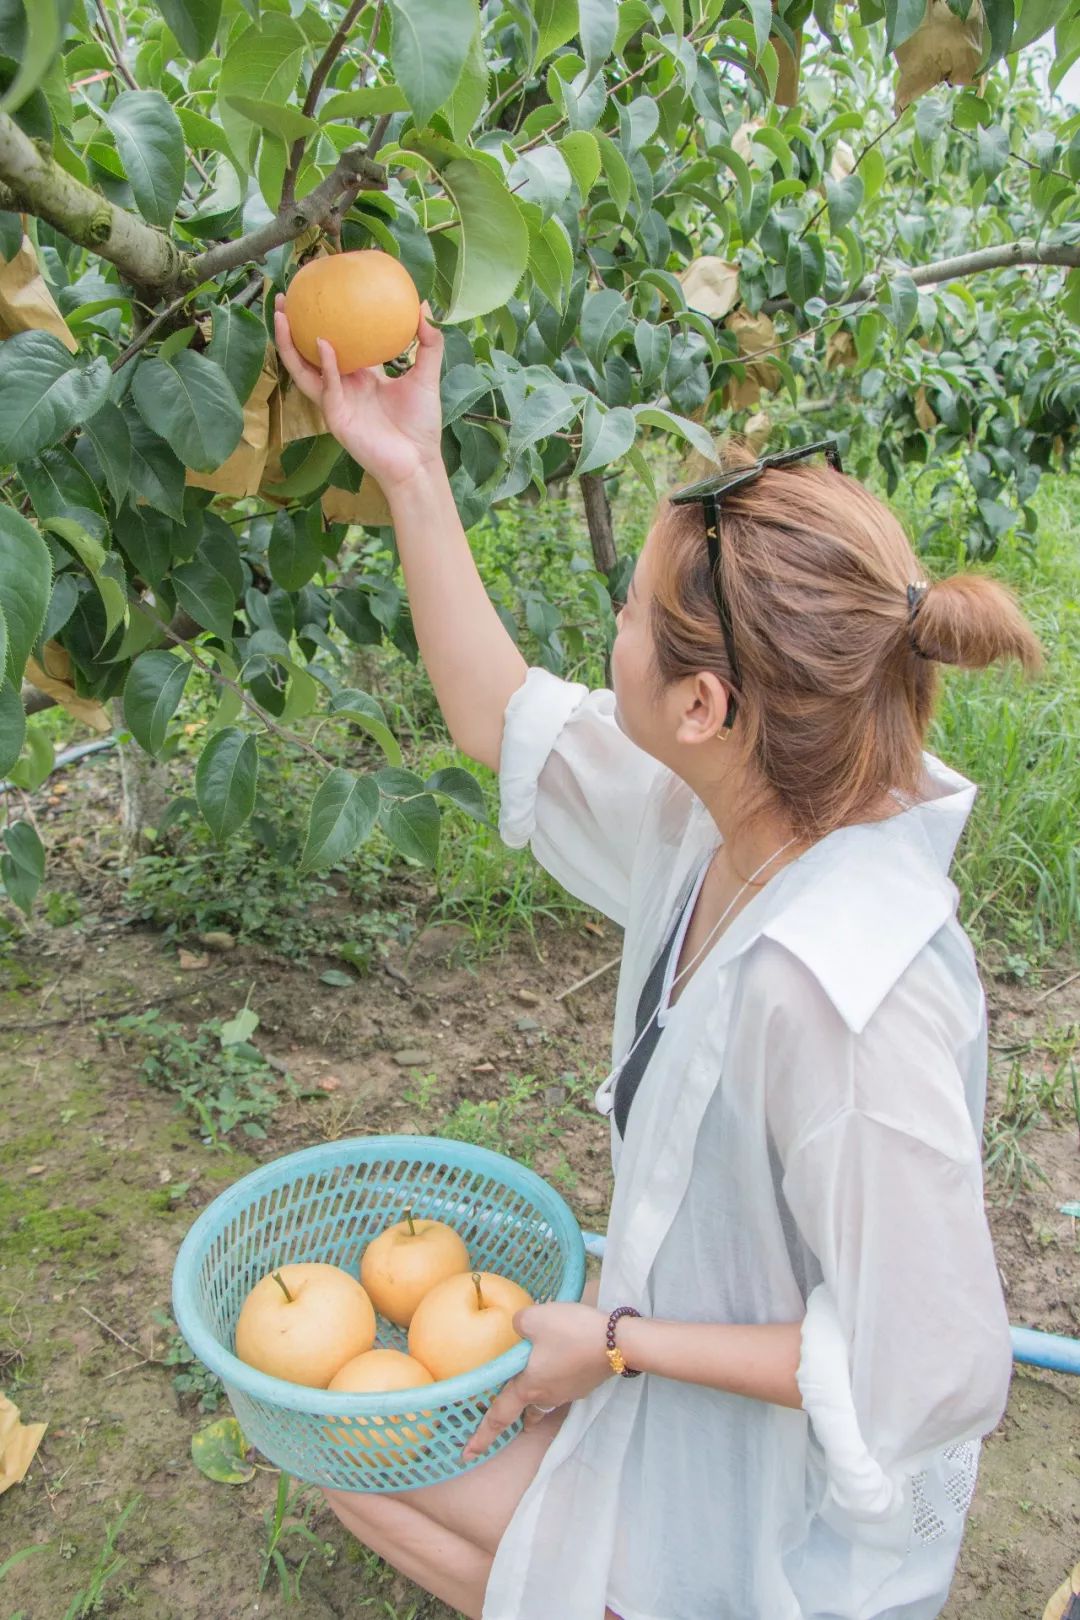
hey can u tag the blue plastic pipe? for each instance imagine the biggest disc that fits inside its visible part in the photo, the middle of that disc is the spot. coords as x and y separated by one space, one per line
1052 1350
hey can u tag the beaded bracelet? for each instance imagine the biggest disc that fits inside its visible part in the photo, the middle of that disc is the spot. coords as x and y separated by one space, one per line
614 1354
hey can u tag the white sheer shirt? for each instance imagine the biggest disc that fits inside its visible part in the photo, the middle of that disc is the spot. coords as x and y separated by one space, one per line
804 1145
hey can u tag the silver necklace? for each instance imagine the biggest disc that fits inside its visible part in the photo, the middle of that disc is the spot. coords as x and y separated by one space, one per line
606 1086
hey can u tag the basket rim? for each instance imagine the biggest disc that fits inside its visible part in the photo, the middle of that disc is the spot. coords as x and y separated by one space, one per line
240 1376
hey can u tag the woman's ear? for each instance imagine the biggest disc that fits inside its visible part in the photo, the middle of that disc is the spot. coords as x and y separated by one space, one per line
704 699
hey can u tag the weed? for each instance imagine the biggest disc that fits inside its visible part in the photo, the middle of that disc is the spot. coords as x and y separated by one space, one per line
224 1084
518 1122
109 1563
191 1378
279 1526
1032 1097
61 909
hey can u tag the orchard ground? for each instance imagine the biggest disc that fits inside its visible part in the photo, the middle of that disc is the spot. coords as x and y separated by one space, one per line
443 1019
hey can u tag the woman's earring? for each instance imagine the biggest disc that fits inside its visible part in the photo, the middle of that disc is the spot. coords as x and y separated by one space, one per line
724 734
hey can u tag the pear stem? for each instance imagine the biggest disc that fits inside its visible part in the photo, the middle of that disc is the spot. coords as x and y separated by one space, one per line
476 1285
412 1228
279 1279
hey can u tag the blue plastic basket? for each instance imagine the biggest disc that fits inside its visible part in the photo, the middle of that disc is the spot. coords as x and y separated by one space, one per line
325 1203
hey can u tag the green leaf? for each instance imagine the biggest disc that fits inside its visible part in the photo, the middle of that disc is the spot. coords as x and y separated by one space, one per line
991 151
364 712
467 102
805 268
150 141
23 866
343 813
45 393
241 1028
462 789
605 436
194 23
604 315
581 150
412 825
845 199
263 62
653 345
903 304
682 426
616 173
57 484
276 117
339 980
353 615
551 260
157 475
1036 17
546 410
294 552
226 779
238 346
370 102
152 691
312 472
25 585
493 240
110 438
40 48
219 1451
429 45
207 593
598 22
12 724
11 235
37 761
902 18
462 387
189 401
556 24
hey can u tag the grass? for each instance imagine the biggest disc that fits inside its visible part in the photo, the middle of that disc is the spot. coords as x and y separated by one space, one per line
1018 868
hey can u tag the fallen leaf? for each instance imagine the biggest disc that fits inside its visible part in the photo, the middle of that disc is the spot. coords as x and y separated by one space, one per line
36 1169
219 1451
329 1082
18 1443
189 962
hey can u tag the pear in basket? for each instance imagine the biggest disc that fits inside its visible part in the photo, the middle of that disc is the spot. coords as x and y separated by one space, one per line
406 1261
381 1439
465 1321
304 1321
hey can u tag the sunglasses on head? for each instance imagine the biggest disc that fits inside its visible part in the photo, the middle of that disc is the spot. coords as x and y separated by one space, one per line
709 492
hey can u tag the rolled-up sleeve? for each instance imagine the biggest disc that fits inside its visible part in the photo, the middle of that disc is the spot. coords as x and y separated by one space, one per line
905 1344
574 788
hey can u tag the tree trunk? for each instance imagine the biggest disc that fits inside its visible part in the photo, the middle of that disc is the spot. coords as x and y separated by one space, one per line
598 517
145 786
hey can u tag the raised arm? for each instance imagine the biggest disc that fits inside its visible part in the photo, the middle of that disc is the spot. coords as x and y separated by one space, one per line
391 426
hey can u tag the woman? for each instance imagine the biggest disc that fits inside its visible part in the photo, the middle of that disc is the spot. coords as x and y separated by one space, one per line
797 1213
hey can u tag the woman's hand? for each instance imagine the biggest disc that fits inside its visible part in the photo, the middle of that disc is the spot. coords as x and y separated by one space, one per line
568 1361
390 425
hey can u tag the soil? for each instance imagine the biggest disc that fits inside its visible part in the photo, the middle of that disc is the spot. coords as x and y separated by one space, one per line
102 1176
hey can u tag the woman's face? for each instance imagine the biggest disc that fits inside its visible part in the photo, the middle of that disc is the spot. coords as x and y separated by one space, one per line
670 724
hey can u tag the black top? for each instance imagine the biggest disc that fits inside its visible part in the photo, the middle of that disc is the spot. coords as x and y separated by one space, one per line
647 1011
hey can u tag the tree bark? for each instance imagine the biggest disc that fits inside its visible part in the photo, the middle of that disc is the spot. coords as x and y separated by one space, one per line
1003 257
36 184
145 787
598 517
32 182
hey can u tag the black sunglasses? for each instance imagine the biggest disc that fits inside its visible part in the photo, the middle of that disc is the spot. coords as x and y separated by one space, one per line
708 492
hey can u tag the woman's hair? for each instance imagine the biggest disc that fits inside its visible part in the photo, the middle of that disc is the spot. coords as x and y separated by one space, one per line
837 667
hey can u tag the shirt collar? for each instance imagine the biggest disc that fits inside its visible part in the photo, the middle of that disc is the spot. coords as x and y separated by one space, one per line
857 936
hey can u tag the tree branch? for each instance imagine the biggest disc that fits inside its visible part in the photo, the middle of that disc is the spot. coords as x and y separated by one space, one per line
321 208
1004 257
32 182
314 90
117 51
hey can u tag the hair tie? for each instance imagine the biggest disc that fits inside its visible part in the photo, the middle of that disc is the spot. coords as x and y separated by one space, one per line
916 593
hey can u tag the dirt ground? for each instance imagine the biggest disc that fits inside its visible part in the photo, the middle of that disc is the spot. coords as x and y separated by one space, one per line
101 1178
